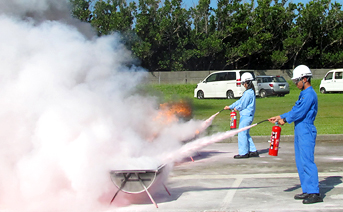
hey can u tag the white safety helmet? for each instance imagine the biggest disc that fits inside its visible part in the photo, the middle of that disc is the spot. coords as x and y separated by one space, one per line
246 77
300 72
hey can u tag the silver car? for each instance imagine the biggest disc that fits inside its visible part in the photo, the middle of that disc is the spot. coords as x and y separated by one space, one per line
272 85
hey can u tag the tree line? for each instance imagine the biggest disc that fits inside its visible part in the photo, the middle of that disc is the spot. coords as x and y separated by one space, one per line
269 34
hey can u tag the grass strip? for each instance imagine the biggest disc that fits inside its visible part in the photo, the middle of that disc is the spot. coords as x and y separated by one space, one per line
329 119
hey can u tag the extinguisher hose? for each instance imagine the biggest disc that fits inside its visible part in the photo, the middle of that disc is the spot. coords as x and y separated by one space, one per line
256 123
261 121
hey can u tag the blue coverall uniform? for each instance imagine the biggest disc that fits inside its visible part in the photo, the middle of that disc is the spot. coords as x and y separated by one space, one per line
303 115
246 106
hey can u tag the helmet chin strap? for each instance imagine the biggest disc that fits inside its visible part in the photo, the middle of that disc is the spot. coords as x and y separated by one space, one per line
303 84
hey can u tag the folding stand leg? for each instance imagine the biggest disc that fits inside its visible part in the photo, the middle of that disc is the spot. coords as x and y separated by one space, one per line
192 157
166 189
121 186
146 190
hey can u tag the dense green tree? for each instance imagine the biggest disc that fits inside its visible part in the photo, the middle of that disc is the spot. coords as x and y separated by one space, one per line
113 15
146 28
271 21
174 31
81 9
252 34
204 41
233 19
331 40
306 27
236 34
316 36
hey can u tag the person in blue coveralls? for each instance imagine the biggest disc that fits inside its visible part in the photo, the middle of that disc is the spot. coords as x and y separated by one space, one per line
303 115
246 106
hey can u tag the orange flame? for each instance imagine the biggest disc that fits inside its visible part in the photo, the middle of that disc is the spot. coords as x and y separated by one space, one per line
174 111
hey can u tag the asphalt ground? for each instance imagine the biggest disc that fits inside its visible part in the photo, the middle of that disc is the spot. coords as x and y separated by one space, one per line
217 182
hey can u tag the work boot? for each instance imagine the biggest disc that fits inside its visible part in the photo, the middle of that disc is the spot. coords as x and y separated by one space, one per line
254 154
241 156
312 198
301 196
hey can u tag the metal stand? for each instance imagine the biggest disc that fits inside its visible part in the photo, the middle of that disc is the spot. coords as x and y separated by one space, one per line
121 186
133 177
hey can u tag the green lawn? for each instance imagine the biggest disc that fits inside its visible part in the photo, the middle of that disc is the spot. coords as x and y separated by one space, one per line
329 118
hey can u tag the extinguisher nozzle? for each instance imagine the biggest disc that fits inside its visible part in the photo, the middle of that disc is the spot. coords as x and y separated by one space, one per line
221 110
262 121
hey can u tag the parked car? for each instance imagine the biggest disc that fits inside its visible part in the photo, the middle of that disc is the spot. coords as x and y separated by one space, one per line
222 84
332 82
272 85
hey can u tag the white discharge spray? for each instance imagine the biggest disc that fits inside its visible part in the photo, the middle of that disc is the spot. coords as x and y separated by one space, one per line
207 123
190 148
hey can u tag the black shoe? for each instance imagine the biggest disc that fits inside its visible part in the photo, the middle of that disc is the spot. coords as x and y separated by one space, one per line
301 196
254 154
312 198
241 156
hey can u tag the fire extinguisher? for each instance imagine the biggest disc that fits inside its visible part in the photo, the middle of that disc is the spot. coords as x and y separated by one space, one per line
233 119
275 140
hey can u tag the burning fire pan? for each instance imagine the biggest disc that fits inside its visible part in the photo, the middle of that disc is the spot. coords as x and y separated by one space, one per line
135 181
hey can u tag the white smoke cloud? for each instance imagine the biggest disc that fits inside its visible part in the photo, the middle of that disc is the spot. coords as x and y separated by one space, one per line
68 113
38 11
22 7
63 114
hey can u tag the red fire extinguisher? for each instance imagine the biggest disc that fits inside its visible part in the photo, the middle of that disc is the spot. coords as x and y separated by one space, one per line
275 140
233 119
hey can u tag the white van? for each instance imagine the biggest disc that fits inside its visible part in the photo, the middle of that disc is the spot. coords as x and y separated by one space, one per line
332 82
222 84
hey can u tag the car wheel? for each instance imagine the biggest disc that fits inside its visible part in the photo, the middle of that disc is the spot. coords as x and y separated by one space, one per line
200 95
229 95
263 93
322 90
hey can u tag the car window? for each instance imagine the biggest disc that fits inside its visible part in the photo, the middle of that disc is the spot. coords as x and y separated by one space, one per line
259 80
211 78
279 79
231 76
329 76
338 75
267 79
221 76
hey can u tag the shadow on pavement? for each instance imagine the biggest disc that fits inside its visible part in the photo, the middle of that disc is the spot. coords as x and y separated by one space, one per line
201 155
328 184
263 151
325 185
178 192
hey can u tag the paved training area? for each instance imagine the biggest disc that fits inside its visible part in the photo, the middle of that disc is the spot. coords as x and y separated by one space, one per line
217 182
